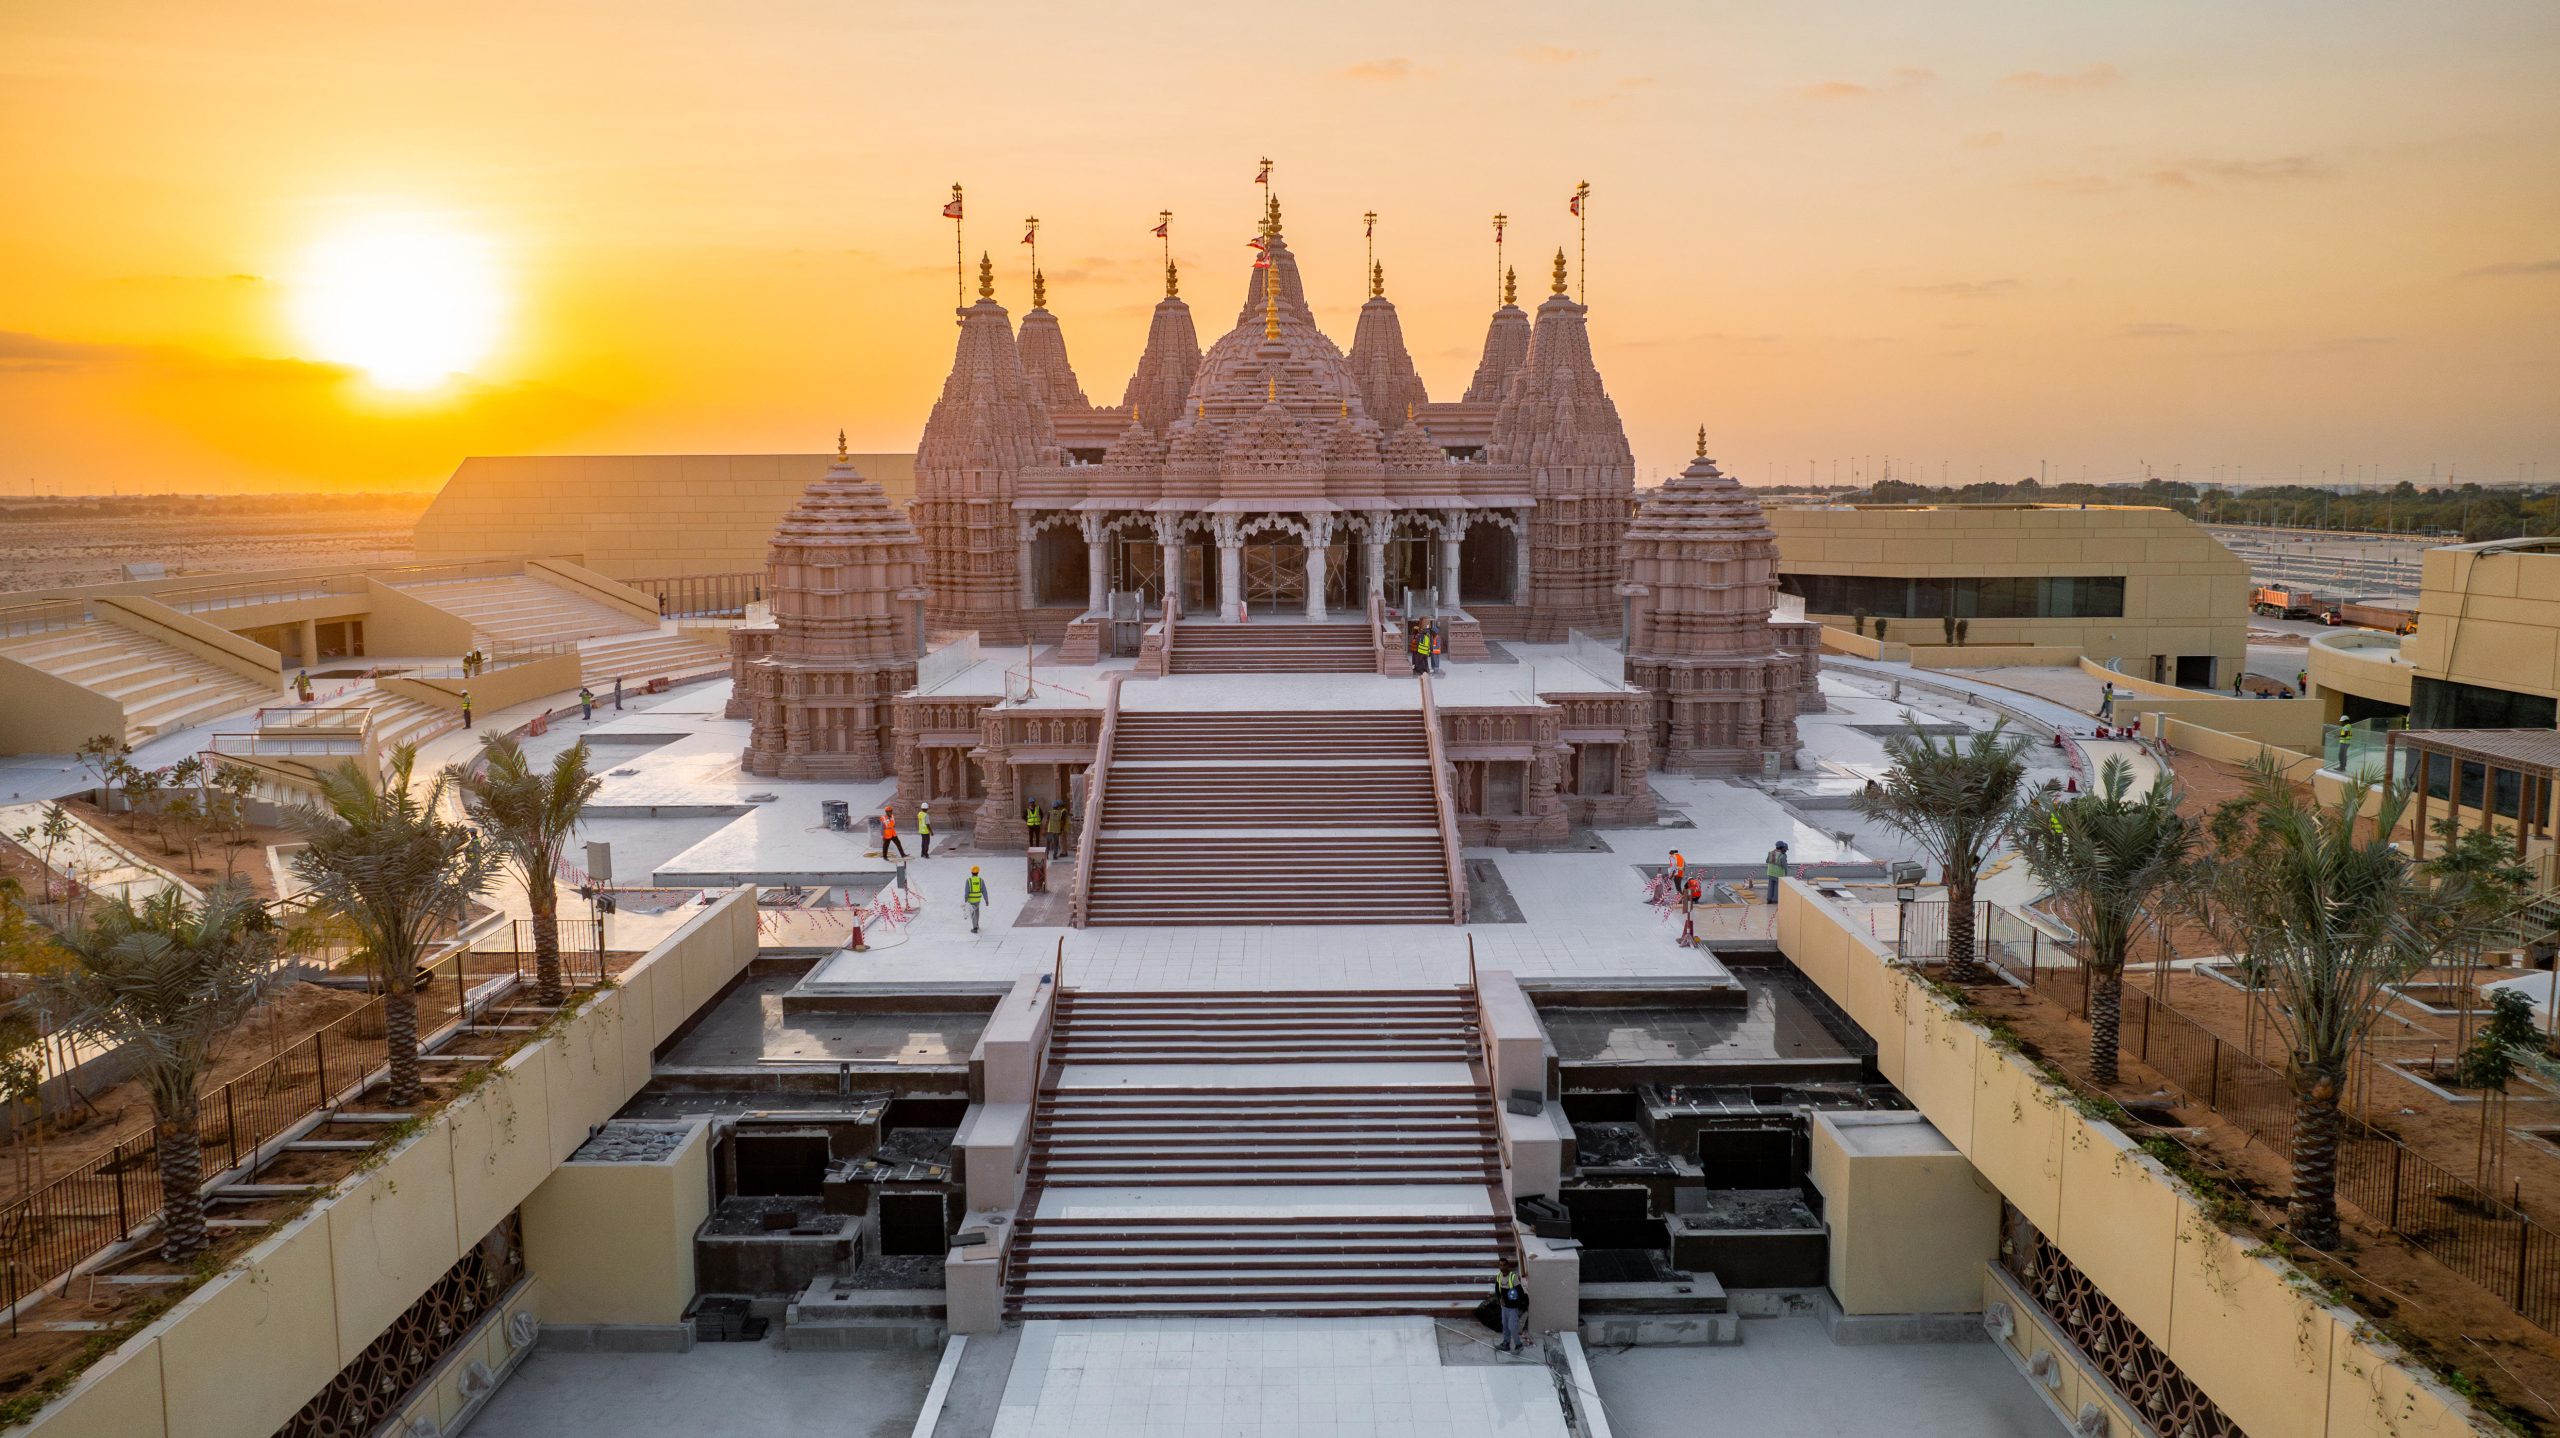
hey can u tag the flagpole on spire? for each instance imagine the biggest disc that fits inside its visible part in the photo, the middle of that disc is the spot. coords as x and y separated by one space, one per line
1369 232
1499 220
1582 241
959 262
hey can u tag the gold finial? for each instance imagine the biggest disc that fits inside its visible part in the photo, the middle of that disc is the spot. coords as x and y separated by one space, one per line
1345 411
1271 395
1702 441
1377 280
1511 287
1271 214
1408 411
1270 299
1172 281
1039 289
840 454
987 276
1559 269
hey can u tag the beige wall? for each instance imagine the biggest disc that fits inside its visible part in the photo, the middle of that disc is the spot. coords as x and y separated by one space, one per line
497 689
2489 617
242 1353
633 516
211 643
2184 592
2359 662
614 1241
1911 1222
2238 1321
48 714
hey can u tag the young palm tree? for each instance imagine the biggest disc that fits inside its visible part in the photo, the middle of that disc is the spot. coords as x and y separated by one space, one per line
1956 802
2328 911
530 817
386 857
2107 856
166 980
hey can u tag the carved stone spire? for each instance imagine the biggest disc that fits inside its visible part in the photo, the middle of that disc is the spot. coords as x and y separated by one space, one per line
1558 421
1044 355
1724 694
1165 371
1380 365
1506 347
989 425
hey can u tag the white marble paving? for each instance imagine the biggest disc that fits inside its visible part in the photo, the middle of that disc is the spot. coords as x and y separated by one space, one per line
1247 1075
1263 1378
1266 1201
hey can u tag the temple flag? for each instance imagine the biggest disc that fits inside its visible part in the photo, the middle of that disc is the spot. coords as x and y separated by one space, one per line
951 208
1574 205
1160 231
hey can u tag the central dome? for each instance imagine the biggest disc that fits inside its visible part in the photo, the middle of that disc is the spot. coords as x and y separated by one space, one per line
1299 369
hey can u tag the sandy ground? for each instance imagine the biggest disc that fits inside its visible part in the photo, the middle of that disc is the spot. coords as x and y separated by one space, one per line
42 553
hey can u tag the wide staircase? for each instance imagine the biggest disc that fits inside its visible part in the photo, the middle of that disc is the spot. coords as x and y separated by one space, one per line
1201 648
1260 1154
1245 817
159 686
635 659
517 609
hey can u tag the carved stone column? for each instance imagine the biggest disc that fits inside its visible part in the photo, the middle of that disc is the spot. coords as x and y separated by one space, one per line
1452 534
1022 566
1168 531
1319 541
1230 569
1520 564
1097 563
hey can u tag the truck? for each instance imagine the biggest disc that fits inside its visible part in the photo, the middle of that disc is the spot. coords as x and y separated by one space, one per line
2277 603
2364 614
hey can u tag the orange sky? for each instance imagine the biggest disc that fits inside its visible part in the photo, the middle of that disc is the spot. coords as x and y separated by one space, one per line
1982 235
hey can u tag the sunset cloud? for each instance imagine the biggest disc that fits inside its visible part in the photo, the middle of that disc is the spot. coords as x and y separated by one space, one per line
1386 72
2511 269
2087 77
1901 77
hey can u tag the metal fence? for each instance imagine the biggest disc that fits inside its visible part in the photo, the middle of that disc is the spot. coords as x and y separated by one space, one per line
54 1229
2485 1240
704 596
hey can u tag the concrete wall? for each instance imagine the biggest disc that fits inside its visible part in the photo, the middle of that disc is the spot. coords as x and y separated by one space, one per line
1992 656
2362 663
499 688
242 1353
2489 616
2293 724
48 714
400 624
633 516
614 1241
2184 592
1863 646
1912 1223
215 645
588 584
2240 1323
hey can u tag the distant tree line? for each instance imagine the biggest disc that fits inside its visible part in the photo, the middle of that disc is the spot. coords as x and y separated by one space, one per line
2471 511
162 506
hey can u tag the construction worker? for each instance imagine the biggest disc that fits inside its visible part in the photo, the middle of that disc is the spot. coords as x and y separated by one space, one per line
1775 866
1691 893
586 704
889 831
1679 870
1438 643
1058 829
1422 647
302 687
2107 703
924 832
1032 814
466 708
617 694
974 895
1512 1296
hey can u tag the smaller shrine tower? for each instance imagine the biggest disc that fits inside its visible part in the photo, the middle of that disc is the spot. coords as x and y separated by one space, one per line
845 579
1724 694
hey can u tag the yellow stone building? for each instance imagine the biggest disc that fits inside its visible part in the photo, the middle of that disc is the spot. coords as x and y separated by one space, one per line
2145 585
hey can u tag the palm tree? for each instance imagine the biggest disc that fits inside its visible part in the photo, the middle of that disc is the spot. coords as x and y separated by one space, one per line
2328 911
165 980
1955 802
386 857
530 817
2107 856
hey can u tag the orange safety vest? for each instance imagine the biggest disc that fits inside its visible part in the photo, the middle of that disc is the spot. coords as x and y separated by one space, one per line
888 825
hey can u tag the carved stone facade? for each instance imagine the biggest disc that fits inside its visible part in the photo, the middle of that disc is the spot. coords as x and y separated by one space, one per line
1524 775
844 582
1725 695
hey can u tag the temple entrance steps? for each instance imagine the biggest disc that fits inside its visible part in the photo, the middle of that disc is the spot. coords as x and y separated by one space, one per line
521 609
638 658
1202 648
1260 1154
158 686
1219 817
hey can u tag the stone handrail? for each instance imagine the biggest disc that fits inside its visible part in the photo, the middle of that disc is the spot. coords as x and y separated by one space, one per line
1095 774
1442 808
1172 611
1383 649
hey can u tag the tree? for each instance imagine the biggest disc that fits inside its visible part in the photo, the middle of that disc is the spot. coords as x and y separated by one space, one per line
2108 858
2496 881
530 817
2329 912
42 838
167 980
104 756
2488 1063
385 856
1956 802
227 809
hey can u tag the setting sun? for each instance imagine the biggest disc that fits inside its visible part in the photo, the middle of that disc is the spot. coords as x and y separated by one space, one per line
407 300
